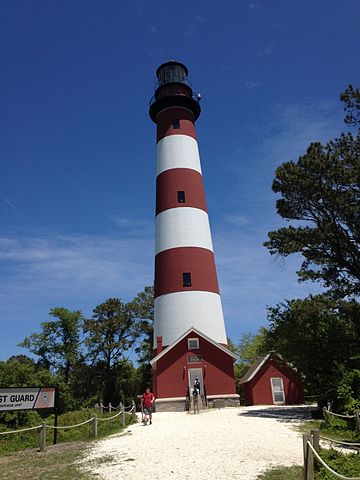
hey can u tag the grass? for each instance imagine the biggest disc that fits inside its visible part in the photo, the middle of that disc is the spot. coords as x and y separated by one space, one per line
20 457
347 465
59 462
20 441
283 473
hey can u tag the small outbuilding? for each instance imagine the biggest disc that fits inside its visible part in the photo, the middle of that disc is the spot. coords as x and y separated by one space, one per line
271 381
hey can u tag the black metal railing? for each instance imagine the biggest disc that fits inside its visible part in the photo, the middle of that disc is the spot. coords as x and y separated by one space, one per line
195 97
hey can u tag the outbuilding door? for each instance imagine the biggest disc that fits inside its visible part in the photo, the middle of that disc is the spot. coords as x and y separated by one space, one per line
196 372
277 388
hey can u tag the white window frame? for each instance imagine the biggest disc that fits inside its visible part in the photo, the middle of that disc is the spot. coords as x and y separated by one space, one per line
195 339
198 358
282 402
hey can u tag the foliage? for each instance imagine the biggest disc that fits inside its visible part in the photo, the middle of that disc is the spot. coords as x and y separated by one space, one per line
110 333
348 391
320 337
347 465
142 309
248 349
57 344
321 192
30 439
351 98
60 463
283 473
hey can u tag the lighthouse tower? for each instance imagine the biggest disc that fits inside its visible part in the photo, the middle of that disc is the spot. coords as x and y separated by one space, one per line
189 331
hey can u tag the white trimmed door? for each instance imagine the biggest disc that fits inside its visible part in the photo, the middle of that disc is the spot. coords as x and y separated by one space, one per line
196 372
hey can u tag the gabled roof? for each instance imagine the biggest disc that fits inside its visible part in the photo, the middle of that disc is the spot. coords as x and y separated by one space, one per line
260 361
195 330
253 370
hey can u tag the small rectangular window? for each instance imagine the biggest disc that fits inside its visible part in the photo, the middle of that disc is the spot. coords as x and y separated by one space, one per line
194 358
193 343
186 279
181 197
176 123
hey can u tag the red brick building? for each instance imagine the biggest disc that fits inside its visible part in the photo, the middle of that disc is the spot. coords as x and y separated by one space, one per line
271 381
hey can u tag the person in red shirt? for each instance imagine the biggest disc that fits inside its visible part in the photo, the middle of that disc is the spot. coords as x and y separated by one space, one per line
147 403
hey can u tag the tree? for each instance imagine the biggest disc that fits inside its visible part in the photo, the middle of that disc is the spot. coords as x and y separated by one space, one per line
110 333
321 191
320 336
248 349
142 309
57 344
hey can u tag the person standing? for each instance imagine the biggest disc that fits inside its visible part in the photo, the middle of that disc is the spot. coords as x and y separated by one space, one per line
147 403
197 384
195 396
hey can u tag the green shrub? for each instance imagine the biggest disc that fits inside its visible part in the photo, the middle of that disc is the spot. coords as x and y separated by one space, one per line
345 464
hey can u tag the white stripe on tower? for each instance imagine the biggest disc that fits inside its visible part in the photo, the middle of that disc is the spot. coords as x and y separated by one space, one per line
186 287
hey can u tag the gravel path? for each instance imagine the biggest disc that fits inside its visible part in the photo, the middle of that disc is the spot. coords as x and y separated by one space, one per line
232 443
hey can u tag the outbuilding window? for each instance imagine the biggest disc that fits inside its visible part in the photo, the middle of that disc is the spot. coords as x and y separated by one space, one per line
176 123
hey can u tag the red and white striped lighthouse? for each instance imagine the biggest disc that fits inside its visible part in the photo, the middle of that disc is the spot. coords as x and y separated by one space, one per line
187 297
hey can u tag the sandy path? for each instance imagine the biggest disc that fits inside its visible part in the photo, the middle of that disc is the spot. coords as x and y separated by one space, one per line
232 443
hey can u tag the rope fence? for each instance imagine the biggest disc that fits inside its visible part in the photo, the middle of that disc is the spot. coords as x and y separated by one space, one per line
311 445
95 419
355 419
22 430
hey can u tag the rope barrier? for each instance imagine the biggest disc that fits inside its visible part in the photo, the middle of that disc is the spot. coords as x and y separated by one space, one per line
338 475
131 407
22 430
107 407
338 414
339 442
110 418
70 426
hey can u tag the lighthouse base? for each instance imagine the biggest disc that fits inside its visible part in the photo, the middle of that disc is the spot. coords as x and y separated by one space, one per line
181 404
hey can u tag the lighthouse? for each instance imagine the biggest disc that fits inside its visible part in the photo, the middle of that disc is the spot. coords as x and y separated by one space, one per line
189 330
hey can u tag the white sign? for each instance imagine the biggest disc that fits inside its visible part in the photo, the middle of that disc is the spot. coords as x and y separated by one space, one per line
23 398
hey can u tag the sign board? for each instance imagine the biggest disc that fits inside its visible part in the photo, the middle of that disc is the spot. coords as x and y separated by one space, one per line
26 398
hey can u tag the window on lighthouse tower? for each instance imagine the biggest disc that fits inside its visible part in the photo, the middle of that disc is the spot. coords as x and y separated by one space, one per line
181 196
176 123
186 279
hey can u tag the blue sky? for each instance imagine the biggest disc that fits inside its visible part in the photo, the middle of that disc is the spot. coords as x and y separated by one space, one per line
77 147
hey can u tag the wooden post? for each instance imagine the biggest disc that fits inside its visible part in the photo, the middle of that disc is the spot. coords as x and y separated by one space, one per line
357 420
123 415
56 414
310 462
315 439
134 409
110 406
42 437
95 426
305 453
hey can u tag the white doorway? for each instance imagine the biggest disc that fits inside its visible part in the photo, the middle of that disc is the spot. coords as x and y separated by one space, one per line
277 388
196 372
